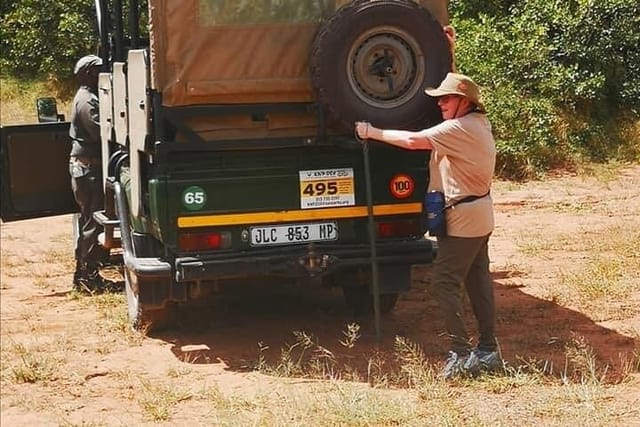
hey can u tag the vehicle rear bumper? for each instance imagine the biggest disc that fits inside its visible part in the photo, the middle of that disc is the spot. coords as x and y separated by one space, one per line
301 261
159 280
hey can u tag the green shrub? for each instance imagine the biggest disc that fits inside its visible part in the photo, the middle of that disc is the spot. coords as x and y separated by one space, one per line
557 76
40 37
473 9
561 79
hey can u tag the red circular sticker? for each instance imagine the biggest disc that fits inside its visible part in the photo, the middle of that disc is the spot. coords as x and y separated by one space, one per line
402 186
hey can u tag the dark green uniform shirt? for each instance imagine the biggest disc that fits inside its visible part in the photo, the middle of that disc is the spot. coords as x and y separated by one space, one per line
85 125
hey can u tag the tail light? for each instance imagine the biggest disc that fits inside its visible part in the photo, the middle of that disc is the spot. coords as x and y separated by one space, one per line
407 228
204 241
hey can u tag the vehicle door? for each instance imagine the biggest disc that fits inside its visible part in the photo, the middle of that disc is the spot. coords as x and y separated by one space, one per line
34 171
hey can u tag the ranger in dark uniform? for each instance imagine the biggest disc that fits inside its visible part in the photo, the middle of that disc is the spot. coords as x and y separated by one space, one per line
85 168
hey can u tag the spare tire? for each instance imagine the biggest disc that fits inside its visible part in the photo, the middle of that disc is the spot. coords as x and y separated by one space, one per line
372 60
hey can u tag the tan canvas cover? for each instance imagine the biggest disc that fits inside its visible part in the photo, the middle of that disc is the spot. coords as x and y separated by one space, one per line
198 63
208 51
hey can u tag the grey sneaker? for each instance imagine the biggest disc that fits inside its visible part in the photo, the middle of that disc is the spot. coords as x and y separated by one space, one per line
483 361
454 367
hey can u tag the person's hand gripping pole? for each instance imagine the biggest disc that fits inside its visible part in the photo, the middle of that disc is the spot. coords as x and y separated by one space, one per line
362 131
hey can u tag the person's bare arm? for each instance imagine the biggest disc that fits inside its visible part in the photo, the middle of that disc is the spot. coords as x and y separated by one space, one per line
400 138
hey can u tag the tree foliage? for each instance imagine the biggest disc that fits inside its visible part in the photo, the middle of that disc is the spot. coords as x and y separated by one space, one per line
40 37
561 78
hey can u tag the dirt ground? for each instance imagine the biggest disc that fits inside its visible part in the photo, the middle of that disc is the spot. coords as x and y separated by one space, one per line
91 371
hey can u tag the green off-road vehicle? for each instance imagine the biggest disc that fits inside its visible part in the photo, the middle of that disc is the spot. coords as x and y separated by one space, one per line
228 146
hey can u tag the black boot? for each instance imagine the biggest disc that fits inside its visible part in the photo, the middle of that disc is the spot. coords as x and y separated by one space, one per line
102 256
89 280
95 282
78 274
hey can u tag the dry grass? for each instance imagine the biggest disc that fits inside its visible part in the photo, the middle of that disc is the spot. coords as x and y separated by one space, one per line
73 360
112 320
580 394
18 99
30 365
412 395
337 394
157 400
607 274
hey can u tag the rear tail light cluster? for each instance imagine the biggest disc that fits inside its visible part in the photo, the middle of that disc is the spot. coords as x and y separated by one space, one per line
408 228
204 241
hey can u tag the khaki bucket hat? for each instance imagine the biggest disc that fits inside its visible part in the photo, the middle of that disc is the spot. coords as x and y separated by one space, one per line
458 84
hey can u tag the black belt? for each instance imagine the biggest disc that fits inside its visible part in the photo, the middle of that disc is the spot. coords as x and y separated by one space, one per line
466 199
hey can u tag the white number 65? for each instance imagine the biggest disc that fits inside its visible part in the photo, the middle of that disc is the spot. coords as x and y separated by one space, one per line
194 198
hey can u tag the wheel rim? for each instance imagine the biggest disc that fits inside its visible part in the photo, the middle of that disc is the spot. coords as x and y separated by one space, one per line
385 67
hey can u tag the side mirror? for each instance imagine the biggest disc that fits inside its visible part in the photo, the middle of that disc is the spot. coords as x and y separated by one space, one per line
48 110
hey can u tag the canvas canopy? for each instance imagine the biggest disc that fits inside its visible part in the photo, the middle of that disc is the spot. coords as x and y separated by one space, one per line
238 51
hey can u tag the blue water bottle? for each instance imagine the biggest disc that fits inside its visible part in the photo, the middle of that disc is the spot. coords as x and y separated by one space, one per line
434 207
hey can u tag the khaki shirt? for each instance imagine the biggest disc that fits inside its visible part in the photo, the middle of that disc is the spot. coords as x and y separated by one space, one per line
462 164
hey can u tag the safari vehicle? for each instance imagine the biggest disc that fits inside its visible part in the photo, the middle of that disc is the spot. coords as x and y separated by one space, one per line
228 146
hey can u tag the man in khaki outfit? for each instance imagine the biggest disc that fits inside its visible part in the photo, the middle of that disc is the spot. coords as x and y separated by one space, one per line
461 166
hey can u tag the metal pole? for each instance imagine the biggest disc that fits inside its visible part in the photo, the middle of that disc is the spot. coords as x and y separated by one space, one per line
134 24
118 55
372 242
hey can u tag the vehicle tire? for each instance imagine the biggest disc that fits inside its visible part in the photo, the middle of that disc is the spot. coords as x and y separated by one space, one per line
372 60
140 318
360 300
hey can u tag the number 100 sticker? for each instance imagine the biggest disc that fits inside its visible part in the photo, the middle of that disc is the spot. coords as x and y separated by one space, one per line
324 188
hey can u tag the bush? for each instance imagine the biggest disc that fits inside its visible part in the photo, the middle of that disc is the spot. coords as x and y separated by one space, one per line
561 79
557 76
40 37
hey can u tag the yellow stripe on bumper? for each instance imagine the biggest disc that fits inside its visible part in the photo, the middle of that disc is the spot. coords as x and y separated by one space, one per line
298 215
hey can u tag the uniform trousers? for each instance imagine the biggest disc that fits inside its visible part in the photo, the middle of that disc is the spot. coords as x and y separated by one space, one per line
86 182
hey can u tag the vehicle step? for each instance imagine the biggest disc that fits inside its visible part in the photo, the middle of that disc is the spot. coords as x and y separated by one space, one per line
102 219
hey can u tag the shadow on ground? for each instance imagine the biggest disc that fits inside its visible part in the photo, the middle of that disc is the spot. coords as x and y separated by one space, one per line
531 331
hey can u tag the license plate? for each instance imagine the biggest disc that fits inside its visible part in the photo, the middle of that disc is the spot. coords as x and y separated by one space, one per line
293 233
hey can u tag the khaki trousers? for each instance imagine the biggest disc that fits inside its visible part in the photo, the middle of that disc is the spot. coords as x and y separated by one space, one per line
464 260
